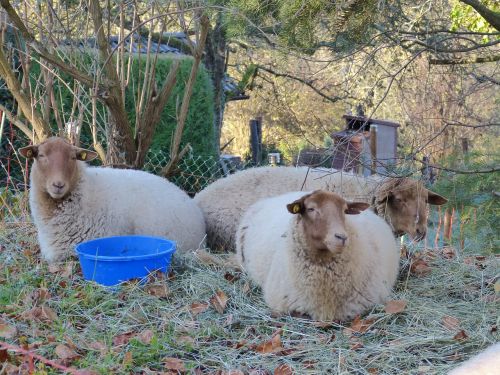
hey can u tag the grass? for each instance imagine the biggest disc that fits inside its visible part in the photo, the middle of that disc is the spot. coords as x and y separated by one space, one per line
451 314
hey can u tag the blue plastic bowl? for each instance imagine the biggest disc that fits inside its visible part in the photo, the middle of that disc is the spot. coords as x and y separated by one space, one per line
112 260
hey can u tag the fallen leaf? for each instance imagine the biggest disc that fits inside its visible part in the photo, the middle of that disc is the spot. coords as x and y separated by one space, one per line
420 268
7 331
187 340
496 287
372 370
461 336
240 344
198 307
174 364
231 277
358 325
145 336
246 288
271 346
4 356
259 371
493 328
64 352
450 322
123 338
448 252
395 306
98 346
160 291
219 301
64 269
283 370
127 359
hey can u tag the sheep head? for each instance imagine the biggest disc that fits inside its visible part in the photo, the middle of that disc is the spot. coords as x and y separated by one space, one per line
322 216
55 165
403 203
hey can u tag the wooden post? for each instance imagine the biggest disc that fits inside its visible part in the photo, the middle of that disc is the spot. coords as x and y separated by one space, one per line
438 229
373 148
254 141
448 225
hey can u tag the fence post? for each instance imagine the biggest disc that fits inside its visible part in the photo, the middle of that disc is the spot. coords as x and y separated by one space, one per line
373 148
447 226
255 143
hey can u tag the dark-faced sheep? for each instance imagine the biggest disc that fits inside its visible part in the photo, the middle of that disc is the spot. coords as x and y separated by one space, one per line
317 254
71 202
402 202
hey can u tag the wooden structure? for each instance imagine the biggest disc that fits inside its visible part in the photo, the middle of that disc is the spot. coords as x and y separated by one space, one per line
366 146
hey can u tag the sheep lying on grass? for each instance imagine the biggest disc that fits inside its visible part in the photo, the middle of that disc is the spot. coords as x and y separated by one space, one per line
485 363
71 202
401 201
322 257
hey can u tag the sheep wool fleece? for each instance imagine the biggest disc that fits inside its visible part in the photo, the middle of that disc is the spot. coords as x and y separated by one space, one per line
109 202
271 248
224 201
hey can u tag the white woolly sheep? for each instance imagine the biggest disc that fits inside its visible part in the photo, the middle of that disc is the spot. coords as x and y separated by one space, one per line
323 257
484 363
71 202
401 201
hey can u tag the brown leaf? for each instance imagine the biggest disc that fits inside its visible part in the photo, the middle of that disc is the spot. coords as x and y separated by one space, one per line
64 269
187 340
231 277
219 301
271 346
145 336
127 359
198 307
449 252
160 291
64 352
7 331
4 356
372 370
123 338
395 306
48 314
420 268
98 346
359 325
283 370
461 336
174 364
355 343
450 322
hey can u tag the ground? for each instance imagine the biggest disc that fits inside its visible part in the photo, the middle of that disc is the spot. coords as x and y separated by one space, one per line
205 318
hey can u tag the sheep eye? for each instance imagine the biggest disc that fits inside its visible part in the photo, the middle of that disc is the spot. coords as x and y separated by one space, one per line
41 155
310 209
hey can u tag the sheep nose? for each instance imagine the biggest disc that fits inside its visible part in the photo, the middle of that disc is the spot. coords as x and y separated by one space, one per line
341 237
58 185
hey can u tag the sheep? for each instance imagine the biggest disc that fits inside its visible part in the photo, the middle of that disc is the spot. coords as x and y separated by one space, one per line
401 201
484 363
71 202
323 257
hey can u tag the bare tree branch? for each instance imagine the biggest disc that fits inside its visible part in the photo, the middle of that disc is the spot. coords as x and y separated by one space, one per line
17 122
42 128
465 60
489 15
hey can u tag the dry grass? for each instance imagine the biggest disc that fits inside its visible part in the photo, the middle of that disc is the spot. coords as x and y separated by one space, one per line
91 320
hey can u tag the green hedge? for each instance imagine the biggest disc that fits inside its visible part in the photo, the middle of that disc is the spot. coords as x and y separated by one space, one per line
199 131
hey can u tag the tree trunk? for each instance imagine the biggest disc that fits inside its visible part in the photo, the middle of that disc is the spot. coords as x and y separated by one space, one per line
215 62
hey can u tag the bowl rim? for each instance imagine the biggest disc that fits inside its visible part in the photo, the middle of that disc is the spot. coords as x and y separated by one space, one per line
107 258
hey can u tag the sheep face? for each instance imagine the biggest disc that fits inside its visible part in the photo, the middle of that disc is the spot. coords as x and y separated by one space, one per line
55 166
322 217
405 205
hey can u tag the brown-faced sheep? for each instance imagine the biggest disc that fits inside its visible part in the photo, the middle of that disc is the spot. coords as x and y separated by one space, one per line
322 257
401 201
71 202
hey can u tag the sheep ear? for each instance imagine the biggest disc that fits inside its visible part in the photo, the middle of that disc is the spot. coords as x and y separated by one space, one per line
296 207
354 208
85 155
435 199
29 152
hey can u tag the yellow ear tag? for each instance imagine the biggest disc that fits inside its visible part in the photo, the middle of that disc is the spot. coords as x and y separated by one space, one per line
296 208
29 153
83 155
